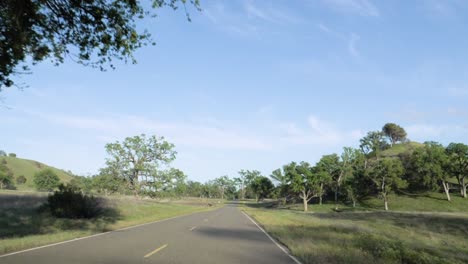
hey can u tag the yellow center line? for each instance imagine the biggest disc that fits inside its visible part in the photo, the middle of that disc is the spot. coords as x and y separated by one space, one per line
155 251
191 229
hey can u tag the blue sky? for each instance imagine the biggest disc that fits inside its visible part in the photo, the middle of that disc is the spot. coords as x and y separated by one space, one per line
254 85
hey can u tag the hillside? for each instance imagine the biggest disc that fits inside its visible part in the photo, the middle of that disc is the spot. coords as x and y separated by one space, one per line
28 168
400 148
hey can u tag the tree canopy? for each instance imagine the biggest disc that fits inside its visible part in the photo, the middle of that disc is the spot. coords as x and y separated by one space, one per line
394 132
91 33
138 156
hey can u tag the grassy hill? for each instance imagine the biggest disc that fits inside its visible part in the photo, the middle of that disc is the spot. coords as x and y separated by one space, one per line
28 168
400 148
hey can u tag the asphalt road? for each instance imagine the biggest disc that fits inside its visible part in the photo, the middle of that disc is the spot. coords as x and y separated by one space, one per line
224 235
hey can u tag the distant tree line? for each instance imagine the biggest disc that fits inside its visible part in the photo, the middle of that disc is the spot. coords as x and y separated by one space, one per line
360 173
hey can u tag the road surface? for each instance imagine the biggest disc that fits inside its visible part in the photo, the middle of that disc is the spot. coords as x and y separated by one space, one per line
224 235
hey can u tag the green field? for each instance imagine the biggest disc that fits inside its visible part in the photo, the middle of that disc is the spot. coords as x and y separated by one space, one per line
23 226
422 230
28 168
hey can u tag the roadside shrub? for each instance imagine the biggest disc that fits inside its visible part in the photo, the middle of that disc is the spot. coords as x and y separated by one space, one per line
70 202
4 162
46 180
21 179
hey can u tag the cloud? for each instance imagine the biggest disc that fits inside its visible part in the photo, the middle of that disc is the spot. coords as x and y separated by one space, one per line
350 40
270 14
188 134
316 132
244 20
357 7
352 45
426 132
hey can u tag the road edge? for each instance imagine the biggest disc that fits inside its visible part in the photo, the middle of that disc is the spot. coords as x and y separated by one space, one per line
286 251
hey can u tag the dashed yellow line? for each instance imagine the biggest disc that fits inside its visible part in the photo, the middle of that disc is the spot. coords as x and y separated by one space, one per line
155 251
191 229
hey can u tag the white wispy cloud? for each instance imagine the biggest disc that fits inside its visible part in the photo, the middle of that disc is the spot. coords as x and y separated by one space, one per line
358 7
244 20
211 134
352 45
351 40
427 132
317 132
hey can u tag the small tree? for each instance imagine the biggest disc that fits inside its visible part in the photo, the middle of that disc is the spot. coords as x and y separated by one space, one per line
373 143
6 179
21 179
262 187
302 181
429 164
331 169
46 180
281 178
458 164
247 177
394 133
386 174
222 183
13 155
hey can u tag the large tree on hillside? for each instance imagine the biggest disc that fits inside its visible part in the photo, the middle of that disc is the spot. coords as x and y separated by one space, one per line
137 157
394 132
386 173
458 164
373 143
429 164
46 180
91 33
6 176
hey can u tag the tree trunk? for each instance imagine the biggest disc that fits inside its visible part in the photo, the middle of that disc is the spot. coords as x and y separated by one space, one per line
256 198
463 188
304 200
446 189
354 203
336 197
386 202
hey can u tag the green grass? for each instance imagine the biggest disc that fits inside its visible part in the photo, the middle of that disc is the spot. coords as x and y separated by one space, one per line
28 168
400 148
23 226
428 202
420 230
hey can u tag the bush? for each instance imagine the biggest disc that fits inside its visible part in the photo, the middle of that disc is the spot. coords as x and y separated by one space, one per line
21 179
69 202
46 180
12 155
